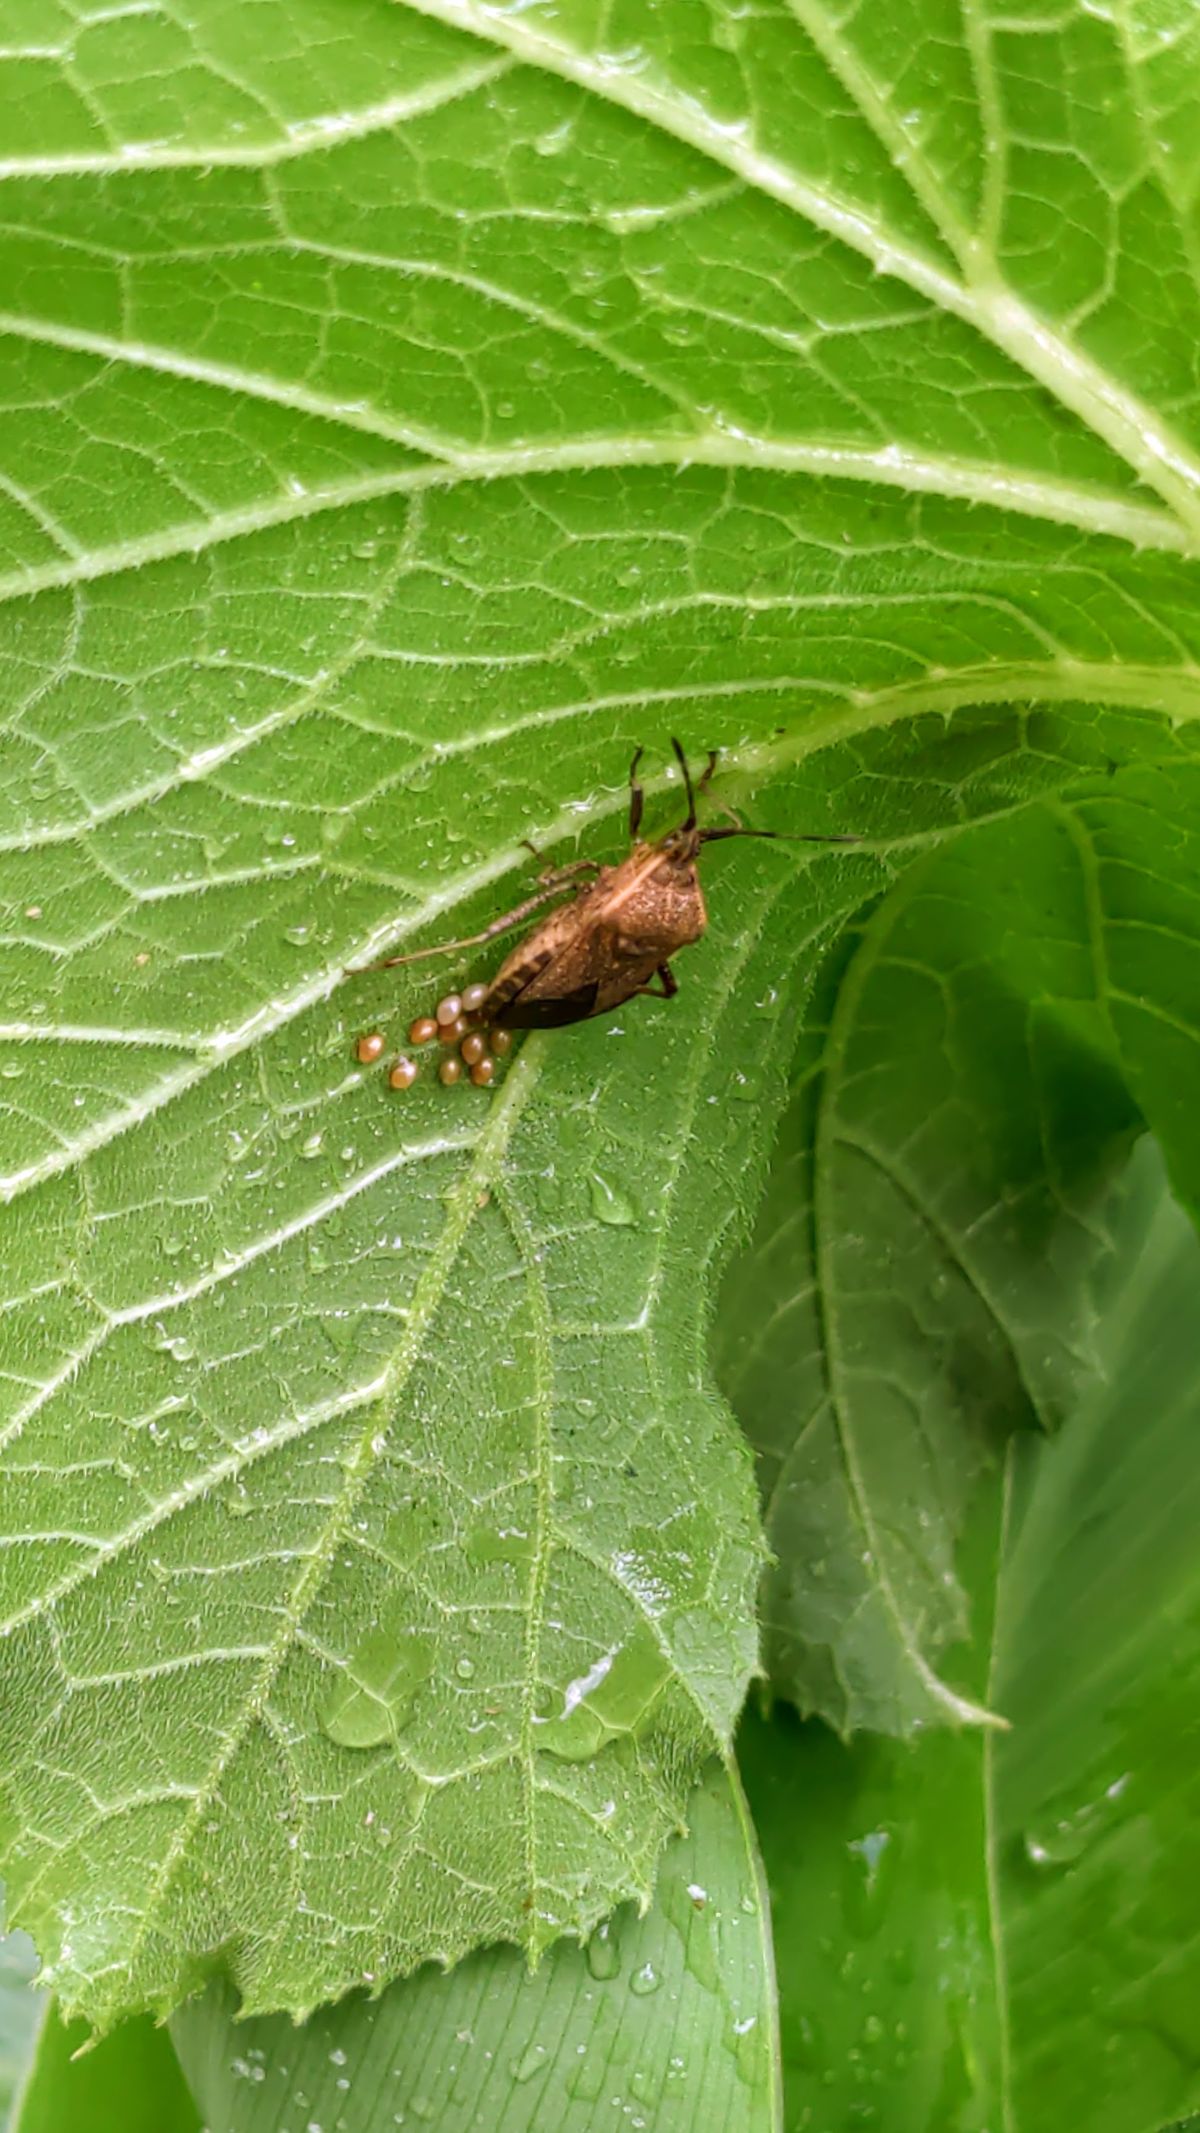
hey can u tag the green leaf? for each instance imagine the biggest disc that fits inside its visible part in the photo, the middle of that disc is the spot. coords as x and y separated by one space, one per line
1139 853
1096 1793
994 1928
875 1858
662 2020
406 416
129 2083
929 1260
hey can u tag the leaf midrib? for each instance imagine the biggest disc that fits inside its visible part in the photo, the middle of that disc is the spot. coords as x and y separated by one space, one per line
982 299
301 136
1139 688
1086 507
462 1204
483 1180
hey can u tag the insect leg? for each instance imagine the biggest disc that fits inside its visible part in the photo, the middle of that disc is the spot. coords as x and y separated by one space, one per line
636 797
503 924
550 874
553 877
670 984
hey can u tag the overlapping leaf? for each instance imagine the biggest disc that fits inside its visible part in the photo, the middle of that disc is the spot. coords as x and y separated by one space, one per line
930 1260
667 2018
1009 1908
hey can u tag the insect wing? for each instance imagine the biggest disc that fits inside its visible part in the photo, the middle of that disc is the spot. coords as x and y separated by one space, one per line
552 1013
549 989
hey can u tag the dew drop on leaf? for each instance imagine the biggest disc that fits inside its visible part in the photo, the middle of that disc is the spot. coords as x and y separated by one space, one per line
371 1701
614 1696
603 1952
531 2062
609 1203
645 1980
498 1544
341 1329
745 2048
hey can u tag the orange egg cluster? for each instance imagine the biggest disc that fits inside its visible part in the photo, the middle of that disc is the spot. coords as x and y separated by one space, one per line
455 1024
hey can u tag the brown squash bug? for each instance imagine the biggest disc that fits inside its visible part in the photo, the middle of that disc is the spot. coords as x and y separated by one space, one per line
618 933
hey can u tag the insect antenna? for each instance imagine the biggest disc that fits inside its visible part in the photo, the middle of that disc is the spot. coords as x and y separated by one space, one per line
712 836
690 824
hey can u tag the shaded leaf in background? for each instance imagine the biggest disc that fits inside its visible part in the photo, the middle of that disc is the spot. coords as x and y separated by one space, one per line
404 418
665 2021
1096 1793
129 2083
925 1271
1138 848
976 1929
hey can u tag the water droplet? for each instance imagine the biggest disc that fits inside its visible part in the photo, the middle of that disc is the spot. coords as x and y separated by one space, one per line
312 1146
747 2056
645 1981
616 1695
341 1330
807 2043
498 1544
176 1345
603 1952
609 1203
1064 1840
298 936
238 1500
464 1668
531 2062
371 1701
555 139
